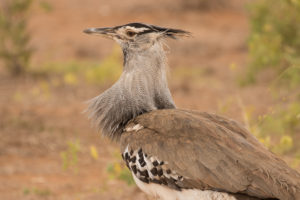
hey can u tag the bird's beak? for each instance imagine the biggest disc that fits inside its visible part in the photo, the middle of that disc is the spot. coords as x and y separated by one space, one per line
101 31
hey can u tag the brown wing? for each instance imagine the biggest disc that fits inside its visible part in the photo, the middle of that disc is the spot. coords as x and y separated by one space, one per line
213 152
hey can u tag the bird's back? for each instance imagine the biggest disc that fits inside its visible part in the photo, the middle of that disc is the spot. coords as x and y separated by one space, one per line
211 152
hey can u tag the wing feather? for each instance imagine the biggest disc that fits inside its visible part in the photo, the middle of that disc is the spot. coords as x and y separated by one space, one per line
213 152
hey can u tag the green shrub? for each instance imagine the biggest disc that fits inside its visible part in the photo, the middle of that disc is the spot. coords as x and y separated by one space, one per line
274 41
73 72
279 130
15 51
117 170
274 47
70 156
14 38
284 127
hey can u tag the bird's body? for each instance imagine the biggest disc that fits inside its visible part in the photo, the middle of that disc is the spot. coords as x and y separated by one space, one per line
178 154
205 152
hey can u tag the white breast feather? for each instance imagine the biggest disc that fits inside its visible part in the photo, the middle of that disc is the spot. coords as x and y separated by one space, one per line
165 193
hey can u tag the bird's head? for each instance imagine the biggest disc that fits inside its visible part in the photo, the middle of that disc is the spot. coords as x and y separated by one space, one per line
137 36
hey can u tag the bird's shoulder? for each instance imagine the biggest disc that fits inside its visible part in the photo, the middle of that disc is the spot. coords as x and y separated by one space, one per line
186 125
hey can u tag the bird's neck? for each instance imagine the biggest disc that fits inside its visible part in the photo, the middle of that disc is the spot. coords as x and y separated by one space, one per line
149 58
141 88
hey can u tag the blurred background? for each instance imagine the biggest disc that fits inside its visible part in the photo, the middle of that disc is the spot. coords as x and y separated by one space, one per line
243 62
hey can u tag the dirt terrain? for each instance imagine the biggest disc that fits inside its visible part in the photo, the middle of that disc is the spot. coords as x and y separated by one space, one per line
38 120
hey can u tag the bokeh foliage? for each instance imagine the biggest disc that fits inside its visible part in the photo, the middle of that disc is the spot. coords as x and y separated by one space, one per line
76 72
15 48
274 41
274 48
15 51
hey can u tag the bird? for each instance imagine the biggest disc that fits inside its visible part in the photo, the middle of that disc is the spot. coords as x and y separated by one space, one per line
174 153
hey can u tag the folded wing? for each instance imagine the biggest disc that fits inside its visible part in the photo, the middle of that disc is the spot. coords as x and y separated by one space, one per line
212 152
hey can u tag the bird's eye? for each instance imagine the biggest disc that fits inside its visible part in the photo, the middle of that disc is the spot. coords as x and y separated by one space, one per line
130 33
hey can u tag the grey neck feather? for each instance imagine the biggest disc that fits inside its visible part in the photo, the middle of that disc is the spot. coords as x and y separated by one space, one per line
142 87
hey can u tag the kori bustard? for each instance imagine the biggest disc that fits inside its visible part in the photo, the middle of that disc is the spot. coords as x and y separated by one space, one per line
177 154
